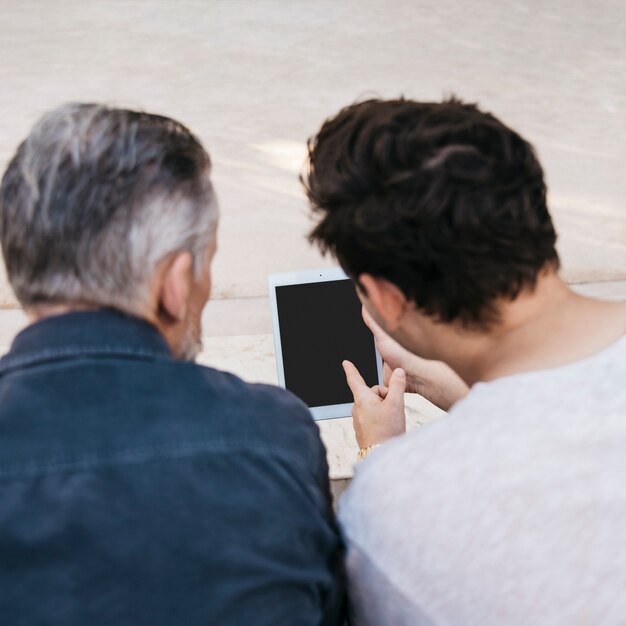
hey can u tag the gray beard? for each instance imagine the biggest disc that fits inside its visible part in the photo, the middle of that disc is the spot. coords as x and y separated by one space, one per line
191 345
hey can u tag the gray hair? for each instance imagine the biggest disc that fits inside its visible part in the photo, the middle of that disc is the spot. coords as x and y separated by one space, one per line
94 198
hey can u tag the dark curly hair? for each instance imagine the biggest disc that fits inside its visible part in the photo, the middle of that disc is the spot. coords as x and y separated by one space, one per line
441 199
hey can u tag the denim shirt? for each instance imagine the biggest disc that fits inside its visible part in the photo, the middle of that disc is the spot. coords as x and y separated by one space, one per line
138 489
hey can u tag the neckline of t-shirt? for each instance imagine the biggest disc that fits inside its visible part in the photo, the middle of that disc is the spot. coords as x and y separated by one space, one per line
559 369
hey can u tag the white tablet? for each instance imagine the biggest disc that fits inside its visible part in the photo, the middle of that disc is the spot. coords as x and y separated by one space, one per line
317 324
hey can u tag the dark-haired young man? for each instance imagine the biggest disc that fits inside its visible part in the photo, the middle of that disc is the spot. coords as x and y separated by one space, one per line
511 511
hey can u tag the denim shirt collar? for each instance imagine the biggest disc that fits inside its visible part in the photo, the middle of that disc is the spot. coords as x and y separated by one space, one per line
104 332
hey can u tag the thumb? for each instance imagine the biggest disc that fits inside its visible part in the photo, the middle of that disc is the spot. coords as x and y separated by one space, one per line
397 386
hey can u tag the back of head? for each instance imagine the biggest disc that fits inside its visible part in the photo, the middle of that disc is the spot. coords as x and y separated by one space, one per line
441 199
94 198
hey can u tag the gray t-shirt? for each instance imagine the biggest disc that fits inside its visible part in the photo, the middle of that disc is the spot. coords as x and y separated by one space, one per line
510 511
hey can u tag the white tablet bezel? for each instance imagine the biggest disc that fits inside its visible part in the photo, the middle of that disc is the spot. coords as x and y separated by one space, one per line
298 278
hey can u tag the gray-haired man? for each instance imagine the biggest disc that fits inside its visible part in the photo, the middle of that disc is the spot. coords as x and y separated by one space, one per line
137 487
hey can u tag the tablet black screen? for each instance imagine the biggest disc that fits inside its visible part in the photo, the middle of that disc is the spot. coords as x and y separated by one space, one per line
320 326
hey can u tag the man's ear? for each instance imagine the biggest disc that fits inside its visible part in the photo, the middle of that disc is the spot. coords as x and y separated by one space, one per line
386 298
175 288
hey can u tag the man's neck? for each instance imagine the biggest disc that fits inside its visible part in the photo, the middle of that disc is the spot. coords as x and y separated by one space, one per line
38 313
547 327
